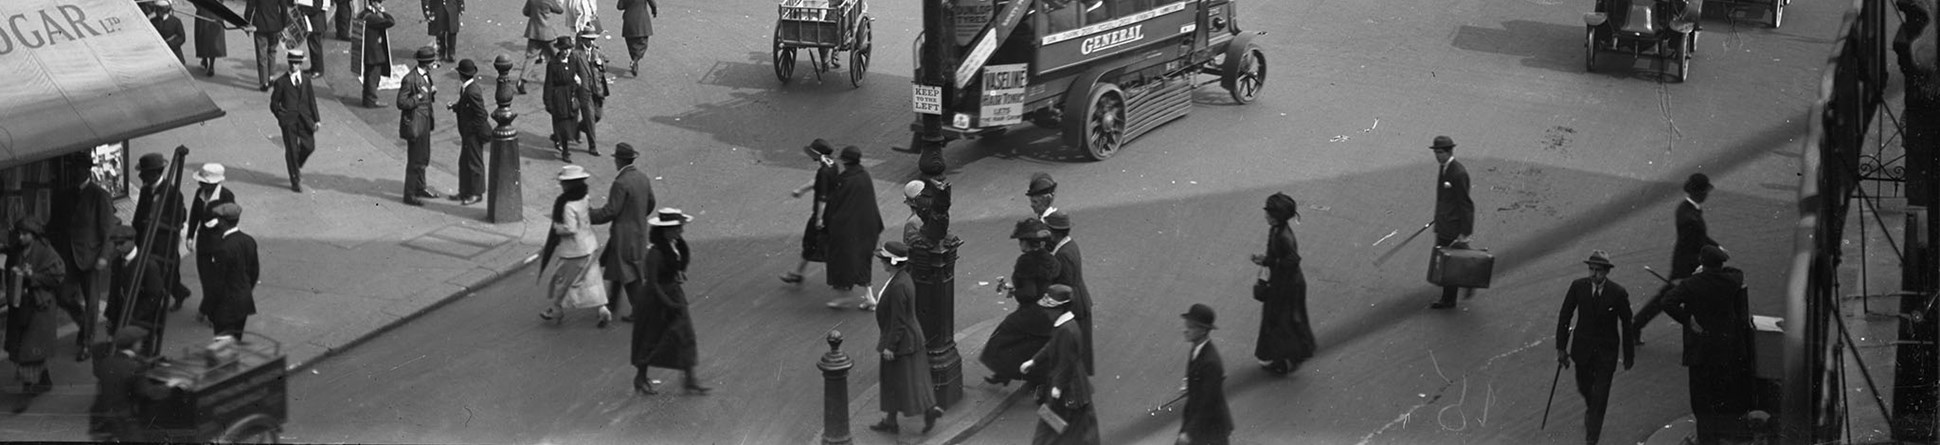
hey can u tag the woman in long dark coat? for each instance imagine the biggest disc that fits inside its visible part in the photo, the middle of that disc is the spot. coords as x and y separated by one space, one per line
30 324
1027 329
854 224
210 44
1286 337
815 240
905 370
663 330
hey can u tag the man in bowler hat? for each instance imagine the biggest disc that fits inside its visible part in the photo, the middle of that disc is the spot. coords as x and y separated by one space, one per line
629 205
162 207
377 49
414 98
238 271
1041 192
294 103
1207 421
1454 212
1692 236
1602 311
473 129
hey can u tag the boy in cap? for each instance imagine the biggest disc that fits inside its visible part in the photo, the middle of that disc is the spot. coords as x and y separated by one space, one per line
162 207
294 103
237 274
1602 311
473 129
148 296
1454 211
1206 419
414 98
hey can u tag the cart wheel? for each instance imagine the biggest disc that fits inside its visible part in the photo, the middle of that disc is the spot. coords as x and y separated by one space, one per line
1589 49
255 428
859 53
1778 12
1104 130
1247 77
1685 44
784 62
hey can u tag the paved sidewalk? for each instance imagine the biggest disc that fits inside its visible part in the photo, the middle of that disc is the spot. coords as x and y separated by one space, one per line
341 262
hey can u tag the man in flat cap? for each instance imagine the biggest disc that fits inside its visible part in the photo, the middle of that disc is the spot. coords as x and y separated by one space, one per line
267 18
1601 309
377 49
1692 236
561 96
81 236
1712 304
415 97
629 205
238 271
1041 192
1454 211
474 128
162 207
854 225
1206 420
294 103
136 301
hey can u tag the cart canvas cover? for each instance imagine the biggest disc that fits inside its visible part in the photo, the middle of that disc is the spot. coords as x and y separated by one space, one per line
75 74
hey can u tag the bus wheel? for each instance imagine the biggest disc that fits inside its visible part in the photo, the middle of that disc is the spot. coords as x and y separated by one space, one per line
1248 76
1104 129
256 428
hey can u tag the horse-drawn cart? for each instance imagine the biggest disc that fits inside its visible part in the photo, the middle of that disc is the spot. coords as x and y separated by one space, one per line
827 28
235 393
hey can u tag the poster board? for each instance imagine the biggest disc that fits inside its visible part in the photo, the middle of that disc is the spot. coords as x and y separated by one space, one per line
108 163
357 49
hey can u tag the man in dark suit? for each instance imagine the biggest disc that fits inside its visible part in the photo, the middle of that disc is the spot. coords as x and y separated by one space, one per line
1692 236
629 204
415 97
81 237
592 91
377 49
294 103
561 96
169 27
1454 212
1717 346
268 17
1602 310
636 27
237 273
1207 421
341 17
539 33
162 207
473 130
149 294
442 19
313 12
202 230
1066 389
1071 273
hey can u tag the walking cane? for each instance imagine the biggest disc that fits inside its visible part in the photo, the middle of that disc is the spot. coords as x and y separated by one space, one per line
1404 242
1552 394
1167 406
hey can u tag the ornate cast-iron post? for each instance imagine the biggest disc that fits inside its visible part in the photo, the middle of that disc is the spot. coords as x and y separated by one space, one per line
933 258
506 204
835 393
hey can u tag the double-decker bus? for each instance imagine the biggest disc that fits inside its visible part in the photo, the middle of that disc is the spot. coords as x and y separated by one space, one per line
1102 72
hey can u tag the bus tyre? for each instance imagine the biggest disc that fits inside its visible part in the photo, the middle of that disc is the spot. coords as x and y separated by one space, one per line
1104 128
1245 74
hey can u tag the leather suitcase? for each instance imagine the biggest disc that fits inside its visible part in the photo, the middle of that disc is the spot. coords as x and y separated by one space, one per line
1458 267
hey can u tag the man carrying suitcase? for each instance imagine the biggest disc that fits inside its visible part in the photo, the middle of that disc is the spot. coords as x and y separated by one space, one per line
1454 212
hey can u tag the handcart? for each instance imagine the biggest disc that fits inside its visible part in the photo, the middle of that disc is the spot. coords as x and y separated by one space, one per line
1663 30
828 28
235 393
1776 6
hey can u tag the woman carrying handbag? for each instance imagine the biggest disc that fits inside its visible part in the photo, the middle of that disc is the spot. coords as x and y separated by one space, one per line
1286 336
576 281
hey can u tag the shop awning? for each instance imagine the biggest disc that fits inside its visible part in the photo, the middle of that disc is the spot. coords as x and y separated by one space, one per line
75 74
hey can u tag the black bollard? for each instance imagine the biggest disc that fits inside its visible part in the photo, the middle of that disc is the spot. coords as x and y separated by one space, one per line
505 204
835 396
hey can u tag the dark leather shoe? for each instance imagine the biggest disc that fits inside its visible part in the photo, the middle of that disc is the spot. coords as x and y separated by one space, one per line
413 202
991 379
521 86
887 426
177 306
428 193
374 105
929 418
1441 305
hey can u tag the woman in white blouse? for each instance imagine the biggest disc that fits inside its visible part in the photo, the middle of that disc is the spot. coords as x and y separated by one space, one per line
576 281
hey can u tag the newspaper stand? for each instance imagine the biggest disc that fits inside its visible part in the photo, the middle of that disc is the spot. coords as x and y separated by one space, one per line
222 398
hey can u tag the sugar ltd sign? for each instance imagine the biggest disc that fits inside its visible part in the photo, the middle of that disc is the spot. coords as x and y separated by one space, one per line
50 26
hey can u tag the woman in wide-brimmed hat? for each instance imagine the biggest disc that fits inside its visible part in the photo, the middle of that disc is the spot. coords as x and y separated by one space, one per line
663 328
30 325
576 282
815 238
1286 336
